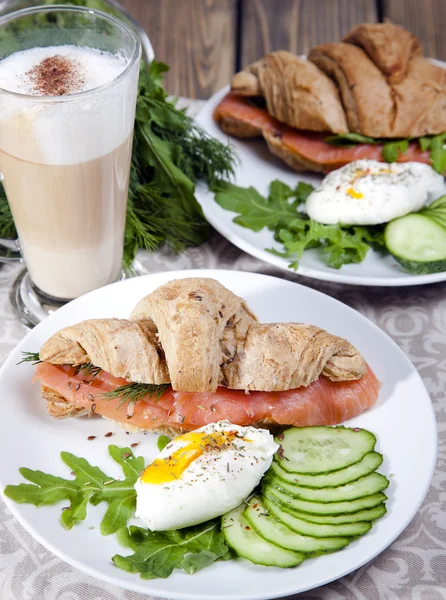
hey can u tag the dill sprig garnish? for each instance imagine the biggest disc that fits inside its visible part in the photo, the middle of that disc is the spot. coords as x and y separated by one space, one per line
132 393
88 369
32 357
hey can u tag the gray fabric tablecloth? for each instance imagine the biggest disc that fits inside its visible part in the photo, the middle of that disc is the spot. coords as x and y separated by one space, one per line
414 567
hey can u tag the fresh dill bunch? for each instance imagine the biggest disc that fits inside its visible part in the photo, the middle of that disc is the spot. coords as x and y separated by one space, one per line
88 369
7 227
132 393
200 156
32 357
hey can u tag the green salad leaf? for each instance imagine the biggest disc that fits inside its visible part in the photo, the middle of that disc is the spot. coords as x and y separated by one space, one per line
90 484
155 554
349 139
158 553
435 143
391 150
257 212
162 442
338 244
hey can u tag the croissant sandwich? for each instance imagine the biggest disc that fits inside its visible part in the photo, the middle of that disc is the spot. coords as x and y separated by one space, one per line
193 353
375 83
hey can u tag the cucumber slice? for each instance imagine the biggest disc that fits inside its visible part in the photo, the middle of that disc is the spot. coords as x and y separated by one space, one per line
241 537
369 514
418 243
368 464
366 486
323 449
319 508
274 531
317 530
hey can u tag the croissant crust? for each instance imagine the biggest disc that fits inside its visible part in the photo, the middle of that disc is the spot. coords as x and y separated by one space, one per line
296 92
198 335
375 82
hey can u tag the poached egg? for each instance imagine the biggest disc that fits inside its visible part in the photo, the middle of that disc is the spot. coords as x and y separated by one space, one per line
368 192
202 474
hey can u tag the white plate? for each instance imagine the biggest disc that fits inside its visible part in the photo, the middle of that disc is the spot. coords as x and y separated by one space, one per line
402 419
257 168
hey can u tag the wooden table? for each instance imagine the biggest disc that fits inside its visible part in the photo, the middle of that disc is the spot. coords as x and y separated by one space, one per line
206 41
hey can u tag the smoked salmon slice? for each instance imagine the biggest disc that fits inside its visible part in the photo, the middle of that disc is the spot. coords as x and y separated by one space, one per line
307 146
323 402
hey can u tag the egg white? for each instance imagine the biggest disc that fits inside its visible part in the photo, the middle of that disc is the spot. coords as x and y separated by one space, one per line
211 485
385 196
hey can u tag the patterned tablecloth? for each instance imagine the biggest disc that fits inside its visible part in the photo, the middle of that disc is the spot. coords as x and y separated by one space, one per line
414 567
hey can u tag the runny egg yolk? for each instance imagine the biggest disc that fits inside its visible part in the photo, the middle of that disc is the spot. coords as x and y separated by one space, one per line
354 193
194 445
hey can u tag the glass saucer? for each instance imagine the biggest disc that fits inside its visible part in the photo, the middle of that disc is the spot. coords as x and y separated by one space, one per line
31 306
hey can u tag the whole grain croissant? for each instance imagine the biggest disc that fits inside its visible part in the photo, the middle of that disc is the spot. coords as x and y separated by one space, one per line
198 335
295 90
374 82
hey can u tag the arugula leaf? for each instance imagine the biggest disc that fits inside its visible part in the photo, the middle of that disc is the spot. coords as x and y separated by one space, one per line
302 191
438 153
425 143
349 139
162 442
338 244
157 554
391 150
257 212
435 144
91 484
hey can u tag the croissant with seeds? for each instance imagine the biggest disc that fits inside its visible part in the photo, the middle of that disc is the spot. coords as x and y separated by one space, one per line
193 353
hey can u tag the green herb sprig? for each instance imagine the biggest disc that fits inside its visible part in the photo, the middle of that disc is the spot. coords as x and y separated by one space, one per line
132 393
32 357
436 211
91 485
281 213
88 369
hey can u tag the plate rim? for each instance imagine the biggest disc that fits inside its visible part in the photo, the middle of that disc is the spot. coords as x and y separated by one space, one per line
205 198
123 584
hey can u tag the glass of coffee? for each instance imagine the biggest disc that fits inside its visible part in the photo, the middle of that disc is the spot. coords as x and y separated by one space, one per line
68 85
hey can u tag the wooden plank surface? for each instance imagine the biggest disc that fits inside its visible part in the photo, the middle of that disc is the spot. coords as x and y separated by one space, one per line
204 41
196 38
297 25
425 18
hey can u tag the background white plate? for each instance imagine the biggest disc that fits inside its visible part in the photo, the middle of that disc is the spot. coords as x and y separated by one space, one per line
258 168
402 419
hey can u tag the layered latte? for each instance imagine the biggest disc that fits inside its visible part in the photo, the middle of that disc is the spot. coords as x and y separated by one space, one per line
66 128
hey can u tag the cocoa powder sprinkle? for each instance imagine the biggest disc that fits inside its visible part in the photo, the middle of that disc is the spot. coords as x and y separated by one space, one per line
56 76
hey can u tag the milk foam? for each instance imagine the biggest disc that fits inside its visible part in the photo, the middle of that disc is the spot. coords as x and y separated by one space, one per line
71 129
96 67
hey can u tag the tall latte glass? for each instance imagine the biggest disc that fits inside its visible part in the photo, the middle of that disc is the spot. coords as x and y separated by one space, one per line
68 84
